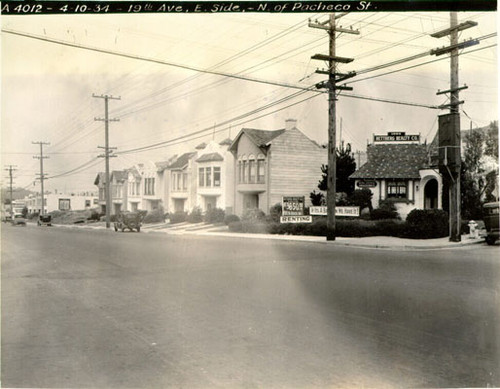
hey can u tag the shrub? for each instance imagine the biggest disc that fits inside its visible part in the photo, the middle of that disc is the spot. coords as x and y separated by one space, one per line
253 214
155 216
254 226
427 224
275 213
178 217
33 215
94 215
389 227
386 210
195 216
231 218
215 215
235 226
361 198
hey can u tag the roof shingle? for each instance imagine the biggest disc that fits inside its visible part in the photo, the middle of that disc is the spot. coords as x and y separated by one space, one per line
393 161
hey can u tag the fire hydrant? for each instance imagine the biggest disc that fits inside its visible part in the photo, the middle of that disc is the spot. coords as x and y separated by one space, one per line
473 231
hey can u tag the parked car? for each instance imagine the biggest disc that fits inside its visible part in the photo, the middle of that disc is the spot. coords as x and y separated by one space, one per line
129 220
18 220
44 220
491 222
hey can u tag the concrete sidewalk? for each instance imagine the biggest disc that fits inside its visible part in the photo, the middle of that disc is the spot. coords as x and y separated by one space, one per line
377 242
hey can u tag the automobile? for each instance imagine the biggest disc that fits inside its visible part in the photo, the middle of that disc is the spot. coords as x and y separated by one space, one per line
129 220
491 222
44 220
18 220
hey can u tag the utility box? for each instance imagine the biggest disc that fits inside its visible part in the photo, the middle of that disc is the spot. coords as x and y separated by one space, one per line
449 143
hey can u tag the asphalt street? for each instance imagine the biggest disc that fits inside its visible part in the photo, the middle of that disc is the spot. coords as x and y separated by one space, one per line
100 309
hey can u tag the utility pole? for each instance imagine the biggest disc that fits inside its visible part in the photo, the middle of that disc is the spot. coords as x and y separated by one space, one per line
333 78
107 151
449 125
42 176
10 169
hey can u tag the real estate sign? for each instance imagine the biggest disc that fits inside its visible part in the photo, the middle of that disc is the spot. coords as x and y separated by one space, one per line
339 211
293 205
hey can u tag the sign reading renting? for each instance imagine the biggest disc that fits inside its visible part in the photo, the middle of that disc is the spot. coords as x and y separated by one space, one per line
339 211
396 137
296 219
293 206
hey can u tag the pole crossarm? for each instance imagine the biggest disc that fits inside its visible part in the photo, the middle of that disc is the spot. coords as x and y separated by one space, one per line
456 46
457 28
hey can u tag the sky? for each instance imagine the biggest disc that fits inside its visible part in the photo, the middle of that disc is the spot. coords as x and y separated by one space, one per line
47 88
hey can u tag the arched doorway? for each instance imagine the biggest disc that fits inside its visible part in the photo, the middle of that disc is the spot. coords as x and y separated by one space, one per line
431 194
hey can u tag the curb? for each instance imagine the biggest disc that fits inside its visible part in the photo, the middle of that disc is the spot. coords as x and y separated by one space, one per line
297 238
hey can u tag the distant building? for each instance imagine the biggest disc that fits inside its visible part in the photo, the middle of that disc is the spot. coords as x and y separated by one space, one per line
401 170
61 202
273 164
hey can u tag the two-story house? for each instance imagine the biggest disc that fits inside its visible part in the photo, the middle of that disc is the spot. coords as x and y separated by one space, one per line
182 186
273 164
134 183
118 188
100 182
215 177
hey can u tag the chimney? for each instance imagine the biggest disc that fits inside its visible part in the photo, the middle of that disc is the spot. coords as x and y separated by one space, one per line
290 123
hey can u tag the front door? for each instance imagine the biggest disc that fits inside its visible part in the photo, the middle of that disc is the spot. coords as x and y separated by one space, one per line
250 201
431 194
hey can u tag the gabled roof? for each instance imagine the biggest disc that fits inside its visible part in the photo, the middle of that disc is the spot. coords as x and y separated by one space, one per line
162 165
226 142
182 161
201 146
119 175
261 138
211 157
393 161
134 172
100 178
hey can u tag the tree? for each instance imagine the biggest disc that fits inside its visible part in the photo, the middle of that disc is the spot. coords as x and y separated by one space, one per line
346 165
478 172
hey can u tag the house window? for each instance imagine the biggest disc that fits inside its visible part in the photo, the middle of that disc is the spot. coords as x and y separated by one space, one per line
261 169
208 176
396 189
251 170
240 171
64 204
201 176
244 172
216 176
149 186
184 181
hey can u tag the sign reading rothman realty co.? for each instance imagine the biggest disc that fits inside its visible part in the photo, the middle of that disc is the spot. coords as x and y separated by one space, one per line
293 210
396 137
339 211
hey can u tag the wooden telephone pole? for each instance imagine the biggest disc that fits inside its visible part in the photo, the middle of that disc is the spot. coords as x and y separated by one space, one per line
333 78
449 125
107 152
10 169
41 157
